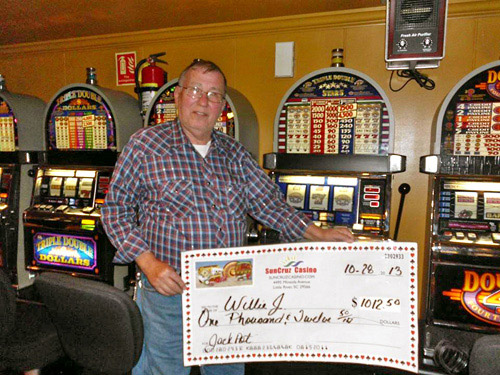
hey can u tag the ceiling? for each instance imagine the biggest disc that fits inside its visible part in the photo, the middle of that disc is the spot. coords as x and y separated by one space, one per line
35 21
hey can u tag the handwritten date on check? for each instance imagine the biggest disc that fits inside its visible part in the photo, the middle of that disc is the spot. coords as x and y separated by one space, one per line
315 301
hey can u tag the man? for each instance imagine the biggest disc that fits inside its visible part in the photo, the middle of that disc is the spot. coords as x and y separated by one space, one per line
182 186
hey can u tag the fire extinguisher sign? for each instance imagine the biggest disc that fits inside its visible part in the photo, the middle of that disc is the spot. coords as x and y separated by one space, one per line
125 66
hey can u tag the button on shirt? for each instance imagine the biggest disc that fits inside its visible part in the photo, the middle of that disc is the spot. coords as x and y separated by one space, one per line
166 198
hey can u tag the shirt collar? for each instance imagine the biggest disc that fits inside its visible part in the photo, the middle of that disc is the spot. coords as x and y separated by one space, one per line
179 138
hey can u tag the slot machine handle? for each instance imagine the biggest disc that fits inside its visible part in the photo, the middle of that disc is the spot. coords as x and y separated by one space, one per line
403 189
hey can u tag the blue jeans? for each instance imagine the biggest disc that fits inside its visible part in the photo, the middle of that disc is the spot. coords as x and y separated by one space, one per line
162 349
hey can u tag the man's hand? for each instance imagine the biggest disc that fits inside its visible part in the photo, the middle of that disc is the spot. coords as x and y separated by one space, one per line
340 234
160 275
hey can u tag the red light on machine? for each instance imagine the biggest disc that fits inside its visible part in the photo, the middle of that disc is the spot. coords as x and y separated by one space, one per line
371 197
4 195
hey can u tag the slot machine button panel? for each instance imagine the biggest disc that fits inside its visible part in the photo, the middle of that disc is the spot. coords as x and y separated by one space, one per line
62 208
87 210
460 235
472 236
448 235
357 228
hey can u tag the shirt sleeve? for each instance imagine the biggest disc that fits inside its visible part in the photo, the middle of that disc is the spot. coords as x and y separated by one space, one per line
268 206
119 212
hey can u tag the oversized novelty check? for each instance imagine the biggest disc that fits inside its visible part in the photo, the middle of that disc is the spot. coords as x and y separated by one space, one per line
317 301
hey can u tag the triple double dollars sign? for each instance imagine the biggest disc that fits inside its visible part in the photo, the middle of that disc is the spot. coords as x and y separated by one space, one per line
318 301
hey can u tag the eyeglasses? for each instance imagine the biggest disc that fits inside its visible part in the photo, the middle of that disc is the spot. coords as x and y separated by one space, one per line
197 93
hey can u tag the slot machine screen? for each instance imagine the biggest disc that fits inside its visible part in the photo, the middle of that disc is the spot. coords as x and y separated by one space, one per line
80 120
469 124
8 128
469 211
68 187
344 201
5 186
334 112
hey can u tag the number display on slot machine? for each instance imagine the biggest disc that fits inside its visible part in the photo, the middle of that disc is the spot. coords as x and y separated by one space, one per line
340 113
80 120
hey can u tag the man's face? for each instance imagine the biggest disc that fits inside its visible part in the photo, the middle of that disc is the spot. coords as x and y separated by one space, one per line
198 115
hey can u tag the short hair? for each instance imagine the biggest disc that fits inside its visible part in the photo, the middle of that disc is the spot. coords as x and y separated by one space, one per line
208 66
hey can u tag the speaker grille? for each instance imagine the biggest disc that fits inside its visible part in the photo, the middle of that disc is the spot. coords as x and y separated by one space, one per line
416 14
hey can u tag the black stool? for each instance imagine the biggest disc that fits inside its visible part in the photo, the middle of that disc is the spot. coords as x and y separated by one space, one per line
28 339
100 326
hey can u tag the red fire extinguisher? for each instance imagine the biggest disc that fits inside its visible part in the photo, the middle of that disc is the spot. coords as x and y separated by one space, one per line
152 78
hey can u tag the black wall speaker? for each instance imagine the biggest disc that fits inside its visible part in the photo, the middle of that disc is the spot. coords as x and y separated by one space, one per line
415 33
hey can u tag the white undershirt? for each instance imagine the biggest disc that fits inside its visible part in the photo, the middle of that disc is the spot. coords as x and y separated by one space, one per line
203 149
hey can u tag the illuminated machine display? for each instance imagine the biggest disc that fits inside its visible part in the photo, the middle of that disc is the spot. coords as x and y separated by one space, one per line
85 127
333 143
237 119
463 300
20 145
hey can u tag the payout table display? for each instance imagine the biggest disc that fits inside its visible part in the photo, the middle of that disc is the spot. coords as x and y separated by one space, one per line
472 118
8 129
309 302
334 112
80 120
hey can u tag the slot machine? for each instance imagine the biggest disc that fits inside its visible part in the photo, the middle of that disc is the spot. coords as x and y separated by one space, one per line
463 296
85 128
333 143
237 119
20 145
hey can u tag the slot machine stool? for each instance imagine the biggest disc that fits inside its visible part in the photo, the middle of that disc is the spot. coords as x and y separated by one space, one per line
28 339
100 326
485 356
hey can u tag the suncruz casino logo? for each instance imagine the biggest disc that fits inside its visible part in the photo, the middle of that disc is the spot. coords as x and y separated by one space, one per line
480 295
291 266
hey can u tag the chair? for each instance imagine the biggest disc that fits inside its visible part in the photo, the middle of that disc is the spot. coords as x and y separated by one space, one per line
485 356
28 339
100 326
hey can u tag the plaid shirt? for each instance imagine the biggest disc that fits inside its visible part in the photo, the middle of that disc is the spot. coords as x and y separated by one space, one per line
166 198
